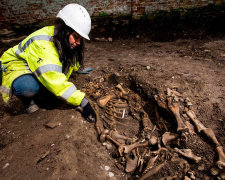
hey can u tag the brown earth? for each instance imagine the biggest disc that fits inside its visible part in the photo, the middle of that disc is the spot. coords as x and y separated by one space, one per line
29 150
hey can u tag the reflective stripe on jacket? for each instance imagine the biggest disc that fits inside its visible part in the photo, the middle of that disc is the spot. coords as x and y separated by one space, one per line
37 54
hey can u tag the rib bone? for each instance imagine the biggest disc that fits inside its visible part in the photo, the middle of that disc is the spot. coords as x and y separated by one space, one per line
146 122
188 154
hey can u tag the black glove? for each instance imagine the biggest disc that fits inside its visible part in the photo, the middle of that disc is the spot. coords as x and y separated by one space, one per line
89 113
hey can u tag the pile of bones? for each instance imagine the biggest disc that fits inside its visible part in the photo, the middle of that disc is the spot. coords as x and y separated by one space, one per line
143 147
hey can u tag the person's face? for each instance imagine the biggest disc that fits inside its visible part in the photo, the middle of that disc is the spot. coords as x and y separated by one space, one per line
74 40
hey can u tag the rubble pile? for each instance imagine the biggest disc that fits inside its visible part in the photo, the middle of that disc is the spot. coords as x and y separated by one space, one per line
145 147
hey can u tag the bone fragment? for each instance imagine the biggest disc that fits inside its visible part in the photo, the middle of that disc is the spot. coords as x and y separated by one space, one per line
167 137
153 140
222 175
131 164
126 149
188 154
121 89
102 137
160 120
105 99
150 164
146 122
153 171
221 157
161 102
214 171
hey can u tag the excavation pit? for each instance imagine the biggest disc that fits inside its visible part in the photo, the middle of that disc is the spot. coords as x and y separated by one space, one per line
148 135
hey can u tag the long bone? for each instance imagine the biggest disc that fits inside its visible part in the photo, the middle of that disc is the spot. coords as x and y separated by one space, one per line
131 164
201 128
115 135
210 134
98 123
221 157
188 154
174 107
153 171
125 149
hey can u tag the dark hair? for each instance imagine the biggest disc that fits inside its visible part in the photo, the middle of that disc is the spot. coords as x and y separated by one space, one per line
61 41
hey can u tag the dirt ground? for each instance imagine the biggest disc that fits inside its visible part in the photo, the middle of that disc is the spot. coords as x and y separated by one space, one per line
29 150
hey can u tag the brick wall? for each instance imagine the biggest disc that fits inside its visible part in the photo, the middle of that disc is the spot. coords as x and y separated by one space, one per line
30 11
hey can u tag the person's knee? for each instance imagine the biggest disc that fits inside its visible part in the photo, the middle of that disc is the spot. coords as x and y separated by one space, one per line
30 91
25 86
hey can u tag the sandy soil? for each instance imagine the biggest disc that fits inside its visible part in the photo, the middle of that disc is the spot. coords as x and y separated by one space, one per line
29 150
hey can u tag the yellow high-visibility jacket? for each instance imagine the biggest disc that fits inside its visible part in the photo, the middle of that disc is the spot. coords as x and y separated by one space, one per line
38 55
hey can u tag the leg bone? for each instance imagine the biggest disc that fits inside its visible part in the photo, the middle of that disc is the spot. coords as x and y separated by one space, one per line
188 154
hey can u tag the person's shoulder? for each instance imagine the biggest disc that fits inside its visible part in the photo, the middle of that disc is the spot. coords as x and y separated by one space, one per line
48 30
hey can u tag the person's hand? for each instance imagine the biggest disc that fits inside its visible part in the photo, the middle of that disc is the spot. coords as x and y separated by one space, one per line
88 112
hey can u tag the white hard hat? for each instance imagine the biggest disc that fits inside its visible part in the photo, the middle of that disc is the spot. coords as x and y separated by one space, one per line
76 17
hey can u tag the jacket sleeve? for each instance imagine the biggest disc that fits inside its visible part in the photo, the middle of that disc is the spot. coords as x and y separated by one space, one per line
43 60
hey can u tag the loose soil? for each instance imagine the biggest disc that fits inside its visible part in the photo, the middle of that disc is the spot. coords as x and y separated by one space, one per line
30 150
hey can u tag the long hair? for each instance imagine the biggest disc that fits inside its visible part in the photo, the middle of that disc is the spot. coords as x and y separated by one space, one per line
61 41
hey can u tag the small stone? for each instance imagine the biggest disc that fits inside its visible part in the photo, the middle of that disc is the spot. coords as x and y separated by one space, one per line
107 168
138 36
148 67
111 174
101 80
5 166
201 167
110 39
72 117
67 136
51 125
108 146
